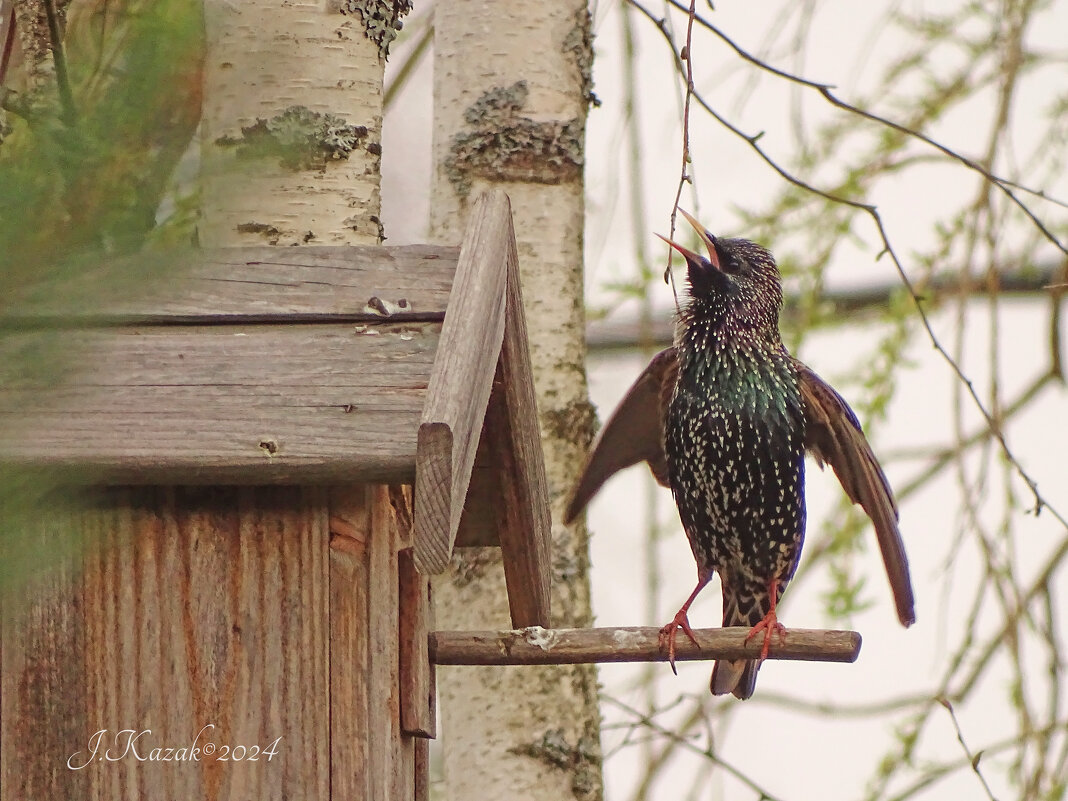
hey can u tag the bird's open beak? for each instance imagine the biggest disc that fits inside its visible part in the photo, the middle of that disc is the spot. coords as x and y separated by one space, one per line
687 254
702 234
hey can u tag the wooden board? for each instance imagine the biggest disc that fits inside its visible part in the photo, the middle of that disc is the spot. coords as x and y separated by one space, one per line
229 404
232 366
246 284
393 761
199 612
417 680
523 518
42 681
371 754
351 748
461 381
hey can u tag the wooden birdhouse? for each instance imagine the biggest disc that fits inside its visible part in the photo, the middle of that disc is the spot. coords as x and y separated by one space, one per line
284 445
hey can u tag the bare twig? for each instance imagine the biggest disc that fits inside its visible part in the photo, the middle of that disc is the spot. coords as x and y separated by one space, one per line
684 176
836 307
972 758
827 91
538 646
412 60
708 753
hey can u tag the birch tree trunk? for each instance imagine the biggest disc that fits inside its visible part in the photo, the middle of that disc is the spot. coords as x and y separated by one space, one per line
511 89
302 82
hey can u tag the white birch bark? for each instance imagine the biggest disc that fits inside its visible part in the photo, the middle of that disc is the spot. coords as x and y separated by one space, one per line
511 88
306 77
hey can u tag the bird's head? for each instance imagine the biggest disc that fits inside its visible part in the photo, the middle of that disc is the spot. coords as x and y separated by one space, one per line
738 283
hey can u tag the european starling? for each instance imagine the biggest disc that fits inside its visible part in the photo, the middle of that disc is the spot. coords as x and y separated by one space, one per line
724 419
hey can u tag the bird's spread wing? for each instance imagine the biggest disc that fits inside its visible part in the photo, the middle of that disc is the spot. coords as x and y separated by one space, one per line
833 436
633 433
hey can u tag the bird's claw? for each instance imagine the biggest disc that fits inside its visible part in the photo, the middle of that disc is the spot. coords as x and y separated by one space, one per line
769 624
669 632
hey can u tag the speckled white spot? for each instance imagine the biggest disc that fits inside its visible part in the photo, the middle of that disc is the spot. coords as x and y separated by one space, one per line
545 639
625 638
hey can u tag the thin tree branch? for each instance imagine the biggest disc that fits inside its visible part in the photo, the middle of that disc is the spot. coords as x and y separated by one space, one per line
708 753
972 758
539 646
936 773
684 176
411 62
826 90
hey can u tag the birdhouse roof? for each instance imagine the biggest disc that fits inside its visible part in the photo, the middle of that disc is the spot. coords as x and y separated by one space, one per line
309 365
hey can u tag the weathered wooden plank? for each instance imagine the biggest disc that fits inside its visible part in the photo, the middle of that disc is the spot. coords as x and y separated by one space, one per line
257 283
42 703
241 404
416 672
287 575
392 769
414 615
461 381
523 518
200 619
351 747
422 769
539 646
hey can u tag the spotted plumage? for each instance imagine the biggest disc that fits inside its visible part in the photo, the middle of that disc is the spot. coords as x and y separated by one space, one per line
734 438
724 418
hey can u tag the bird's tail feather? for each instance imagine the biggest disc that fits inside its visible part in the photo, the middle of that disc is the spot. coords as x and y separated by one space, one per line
746 607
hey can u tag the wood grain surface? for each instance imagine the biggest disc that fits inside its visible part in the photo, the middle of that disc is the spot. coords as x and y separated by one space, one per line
461 381
233 404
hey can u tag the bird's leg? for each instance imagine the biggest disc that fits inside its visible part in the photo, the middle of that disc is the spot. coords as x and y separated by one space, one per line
770 622
680 621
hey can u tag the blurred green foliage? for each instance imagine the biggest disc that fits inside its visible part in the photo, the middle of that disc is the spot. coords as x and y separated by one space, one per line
78 188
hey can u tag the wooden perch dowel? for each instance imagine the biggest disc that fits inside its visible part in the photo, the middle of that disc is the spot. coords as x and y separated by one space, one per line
538 646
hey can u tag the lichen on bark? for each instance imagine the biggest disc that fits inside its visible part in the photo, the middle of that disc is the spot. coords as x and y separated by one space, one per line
381 19
582 759
576 423
502 145
579 45
301 139
266 230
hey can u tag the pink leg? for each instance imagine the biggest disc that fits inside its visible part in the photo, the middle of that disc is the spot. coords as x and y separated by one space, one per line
769 624
680 621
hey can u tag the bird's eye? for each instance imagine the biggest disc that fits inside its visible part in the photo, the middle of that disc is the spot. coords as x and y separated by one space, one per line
734 265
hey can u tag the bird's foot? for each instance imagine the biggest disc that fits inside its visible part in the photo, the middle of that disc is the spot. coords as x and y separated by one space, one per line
769 624
669 632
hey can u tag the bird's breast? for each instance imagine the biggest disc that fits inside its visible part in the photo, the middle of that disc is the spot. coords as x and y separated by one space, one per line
734 440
